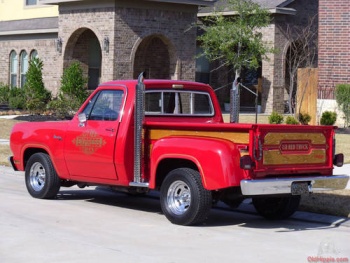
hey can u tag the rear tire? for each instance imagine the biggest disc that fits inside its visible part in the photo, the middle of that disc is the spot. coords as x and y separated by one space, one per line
276 207
41 178
183 199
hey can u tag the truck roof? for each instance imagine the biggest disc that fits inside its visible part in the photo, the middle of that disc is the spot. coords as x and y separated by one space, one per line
160 83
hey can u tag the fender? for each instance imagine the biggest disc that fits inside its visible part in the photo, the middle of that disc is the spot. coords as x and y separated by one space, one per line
216 159
56 157
25 137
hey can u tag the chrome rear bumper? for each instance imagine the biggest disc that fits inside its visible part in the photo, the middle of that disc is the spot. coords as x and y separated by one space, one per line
273 186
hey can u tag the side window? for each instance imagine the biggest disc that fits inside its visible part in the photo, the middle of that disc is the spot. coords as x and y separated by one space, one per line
202 104
153 102
105 105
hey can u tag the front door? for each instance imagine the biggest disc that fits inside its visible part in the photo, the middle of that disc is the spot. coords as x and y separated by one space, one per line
90 146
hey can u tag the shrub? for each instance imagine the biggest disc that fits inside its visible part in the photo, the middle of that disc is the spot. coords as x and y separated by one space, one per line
342 95
16 98
73 83
292 120
4 93
304 118
328 118
72 93
36 95
275 118
63 106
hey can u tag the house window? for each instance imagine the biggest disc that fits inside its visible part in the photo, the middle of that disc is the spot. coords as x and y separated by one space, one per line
34 54
202 67
31 2
13 69
24 67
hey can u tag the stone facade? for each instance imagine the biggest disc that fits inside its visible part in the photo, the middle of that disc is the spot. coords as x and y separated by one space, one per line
142 36
334 46
44 47
29 35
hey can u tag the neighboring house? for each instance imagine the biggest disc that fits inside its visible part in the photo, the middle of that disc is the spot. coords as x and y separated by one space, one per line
272 73
334 51
26 30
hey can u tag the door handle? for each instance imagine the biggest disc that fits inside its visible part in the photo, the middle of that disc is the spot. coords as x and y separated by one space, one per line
110 129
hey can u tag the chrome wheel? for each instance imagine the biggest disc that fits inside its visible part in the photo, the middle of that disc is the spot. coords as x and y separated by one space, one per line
179 197
42 180
37 176
183 199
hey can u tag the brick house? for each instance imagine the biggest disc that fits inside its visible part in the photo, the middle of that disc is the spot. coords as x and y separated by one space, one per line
119 39
272 73
112 40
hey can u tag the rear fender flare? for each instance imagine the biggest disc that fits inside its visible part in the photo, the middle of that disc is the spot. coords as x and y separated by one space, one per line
217 160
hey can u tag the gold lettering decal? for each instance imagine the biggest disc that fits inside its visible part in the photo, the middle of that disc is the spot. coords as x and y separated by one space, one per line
89 142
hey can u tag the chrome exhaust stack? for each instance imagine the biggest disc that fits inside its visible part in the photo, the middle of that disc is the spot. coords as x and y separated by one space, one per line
139 112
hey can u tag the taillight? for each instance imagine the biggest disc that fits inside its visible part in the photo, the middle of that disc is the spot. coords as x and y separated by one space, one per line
246 162
338 159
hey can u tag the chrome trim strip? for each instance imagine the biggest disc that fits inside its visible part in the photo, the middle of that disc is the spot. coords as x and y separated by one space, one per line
274 186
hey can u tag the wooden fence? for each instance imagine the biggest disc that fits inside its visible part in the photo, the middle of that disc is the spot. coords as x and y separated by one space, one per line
307 93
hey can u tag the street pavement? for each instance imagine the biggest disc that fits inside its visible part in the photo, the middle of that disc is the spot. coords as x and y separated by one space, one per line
97 225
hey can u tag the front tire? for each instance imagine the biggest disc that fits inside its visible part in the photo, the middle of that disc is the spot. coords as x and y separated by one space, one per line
41 178
183 199
276 207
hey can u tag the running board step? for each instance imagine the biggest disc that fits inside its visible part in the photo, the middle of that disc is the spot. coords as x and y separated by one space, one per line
137 184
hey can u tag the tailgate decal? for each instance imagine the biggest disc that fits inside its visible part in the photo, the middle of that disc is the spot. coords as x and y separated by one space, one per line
273 157
294 148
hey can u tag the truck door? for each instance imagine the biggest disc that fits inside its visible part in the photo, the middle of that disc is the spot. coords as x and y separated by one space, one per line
90 146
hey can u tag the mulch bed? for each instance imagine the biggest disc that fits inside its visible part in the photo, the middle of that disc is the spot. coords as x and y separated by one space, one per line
38 117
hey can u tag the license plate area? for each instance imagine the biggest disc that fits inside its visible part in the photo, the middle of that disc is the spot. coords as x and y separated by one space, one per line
299 188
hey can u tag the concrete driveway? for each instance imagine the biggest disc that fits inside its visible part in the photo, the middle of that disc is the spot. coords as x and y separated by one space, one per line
97 225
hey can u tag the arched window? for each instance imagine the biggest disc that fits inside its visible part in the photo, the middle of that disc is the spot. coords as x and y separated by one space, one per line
24 67
13 69
34 54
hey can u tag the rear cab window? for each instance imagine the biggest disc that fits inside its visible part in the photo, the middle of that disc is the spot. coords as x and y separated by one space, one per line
178 103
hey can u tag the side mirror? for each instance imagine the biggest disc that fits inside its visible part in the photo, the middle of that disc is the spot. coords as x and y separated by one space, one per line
82 119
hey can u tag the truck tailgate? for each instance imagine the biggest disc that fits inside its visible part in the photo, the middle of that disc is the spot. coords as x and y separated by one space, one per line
301 149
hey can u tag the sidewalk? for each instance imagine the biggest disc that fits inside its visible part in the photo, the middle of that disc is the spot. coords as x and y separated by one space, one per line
345 169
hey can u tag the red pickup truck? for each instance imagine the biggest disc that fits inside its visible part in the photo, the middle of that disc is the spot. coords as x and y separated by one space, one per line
169 136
